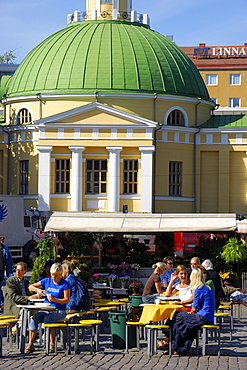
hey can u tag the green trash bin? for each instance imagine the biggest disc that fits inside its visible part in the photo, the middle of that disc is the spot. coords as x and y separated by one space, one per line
135 300
118 330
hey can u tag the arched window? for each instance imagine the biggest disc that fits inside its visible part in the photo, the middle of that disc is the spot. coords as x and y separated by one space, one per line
176 117
24 117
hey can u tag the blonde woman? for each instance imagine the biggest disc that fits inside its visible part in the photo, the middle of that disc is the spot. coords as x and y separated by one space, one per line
202 313
153 287
58 295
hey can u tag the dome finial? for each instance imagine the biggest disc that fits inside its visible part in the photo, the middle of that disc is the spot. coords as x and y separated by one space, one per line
108 10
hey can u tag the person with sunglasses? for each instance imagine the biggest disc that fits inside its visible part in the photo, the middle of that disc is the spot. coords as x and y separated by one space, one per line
169 270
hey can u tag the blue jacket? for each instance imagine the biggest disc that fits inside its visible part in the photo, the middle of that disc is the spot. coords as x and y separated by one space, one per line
204 302
8 261
73 284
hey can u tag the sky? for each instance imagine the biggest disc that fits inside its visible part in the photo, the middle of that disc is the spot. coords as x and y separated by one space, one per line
25 23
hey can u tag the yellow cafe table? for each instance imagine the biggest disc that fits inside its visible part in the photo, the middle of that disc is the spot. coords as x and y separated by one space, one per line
159 312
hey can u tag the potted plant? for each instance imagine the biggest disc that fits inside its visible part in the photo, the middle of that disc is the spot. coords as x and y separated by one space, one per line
110 279
228 277
124 267
228 290
135 286
134 267
98 281
113 268
124 279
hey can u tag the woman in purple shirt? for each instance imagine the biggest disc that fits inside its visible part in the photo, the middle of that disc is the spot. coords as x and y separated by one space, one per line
202 313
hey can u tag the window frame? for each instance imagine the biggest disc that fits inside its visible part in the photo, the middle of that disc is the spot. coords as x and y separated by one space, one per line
130 176
96 176
175 178
23 176
177 116
231 105
231 77
62 176
208 82
25 116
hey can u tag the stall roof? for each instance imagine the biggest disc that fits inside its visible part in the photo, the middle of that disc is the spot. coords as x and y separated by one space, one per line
242 226
140 222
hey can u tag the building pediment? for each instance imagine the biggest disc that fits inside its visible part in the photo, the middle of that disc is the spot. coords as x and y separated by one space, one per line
95 114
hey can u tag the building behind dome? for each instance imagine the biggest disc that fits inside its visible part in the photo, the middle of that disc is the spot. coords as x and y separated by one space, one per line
108 113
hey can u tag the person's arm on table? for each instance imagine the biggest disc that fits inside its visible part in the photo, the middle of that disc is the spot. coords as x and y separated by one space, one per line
14 296
64 300
37 287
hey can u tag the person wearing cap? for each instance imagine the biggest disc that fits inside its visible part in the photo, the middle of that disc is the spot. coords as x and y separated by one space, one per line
153 287
46 273
6 264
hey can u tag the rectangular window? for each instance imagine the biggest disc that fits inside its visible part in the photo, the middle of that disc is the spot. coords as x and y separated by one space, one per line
235 79
175 178
130 176
211 80
234 102
24 177
62 176
96 176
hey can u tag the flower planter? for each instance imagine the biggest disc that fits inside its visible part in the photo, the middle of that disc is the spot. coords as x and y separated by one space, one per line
133 273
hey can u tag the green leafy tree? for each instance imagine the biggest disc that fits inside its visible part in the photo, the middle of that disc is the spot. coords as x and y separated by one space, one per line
234 251
8 57
46 252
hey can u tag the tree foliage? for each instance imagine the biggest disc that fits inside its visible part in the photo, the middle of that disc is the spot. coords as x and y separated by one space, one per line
8 57
234 251
46 252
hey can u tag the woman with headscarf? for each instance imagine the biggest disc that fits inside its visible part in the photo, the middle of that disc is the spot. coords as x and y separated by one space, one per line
215 277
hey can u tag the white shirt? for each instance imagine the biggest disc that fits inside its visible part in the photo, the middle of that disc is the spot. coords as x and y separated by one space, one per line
184 293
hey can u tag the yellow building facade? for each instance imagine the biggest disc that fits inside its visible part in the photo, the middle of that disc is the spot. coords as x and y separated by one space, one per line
223 69
108 113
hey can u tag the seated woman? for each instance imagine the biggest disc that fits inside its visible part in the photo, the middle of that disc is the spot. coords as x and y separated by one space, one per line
183 287
58 294
153 287
202 313
185 294
208 281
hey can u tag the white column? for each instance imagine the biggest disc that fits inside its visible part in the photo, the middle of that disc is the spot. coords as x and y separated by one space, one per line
146 177
76 188
44 177
98 7
114 180
115 9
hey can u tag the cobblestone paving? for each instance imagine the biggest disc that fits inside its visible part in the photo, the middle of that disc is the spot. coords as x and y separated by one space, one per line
233 355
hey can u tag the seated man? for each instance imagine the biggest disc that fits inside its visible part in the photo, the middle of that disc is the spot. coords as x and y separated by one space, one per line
16 291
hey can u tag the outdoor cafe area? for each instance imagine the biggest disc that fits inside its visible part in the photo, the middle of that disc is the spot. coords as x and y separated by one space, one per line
127 323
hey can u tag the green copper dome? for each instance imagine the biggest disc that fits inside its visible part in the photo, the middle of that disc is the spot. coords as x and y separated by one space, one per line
109 57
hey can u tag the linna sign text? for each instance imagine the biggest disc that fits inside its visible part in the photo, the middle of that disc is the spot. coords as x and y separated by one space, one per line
229 51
